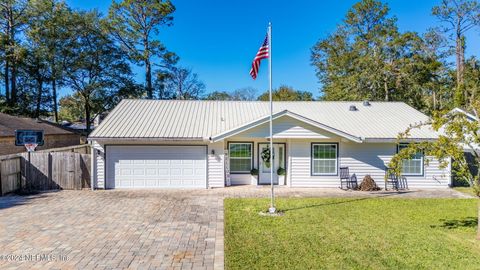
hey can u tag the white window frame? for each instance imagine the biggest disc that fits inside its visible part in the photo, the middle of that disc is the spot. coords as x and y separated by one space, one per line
422 164
250 158
313 173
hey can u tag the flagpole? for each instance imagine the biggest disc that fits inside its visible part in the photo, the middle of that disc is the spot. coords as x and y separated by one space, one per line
272 195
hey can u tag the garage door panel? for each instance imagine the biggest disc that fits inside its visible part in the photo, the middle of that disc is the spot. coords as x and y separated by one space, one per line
157 166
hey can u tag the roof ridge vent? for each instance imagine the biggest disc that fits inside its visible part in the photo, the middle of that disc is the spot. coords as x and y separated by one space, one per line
353 108
366 103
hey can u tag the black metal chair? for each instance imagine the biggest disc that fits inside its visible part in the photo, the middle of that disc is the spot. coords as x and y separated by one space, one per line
346 179
397 182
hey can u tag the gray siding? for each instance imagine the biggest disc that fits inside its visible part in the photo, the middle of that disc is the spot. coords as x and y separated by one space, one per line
287 127
216 172
362 159
99 172
300 152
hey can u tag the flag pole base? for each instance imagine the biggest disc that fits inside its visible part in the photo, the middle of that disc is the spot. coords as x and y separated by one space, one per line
270 214
272 210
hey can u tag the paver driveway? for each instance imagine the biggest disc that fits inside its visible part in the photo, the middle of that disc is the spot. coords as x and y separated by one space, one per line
112 229
136 229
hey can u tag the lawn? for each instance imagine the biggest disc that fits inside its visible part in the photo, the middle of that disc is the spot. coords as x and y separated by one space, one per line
318 233
466 190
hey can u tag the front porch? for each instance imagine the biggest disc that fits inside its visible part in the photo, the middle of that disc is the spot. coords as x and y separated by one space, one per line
312 155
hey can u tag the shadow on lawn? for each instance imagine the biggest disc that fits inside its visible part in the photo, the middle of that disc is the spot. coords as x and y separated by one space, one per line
340 202
457 223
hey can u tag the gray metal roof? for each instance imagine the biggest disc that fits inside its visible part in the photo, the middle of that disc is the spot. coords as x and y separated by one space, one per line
190 120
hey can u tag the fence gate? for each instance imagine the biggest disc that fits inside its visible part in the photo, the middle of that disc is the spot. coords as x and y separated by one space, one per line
57 170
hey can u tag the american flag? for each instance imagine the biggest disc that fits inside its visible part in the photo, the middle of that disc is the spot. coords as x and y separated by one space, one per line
261 54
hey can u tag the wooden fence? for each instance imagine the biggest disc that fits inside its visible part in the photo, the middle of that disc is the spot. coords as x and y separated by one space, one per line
61 168
10 174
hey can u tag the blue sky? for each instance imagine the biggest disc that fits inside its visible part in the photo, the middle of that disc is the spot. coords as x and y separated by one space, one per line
218 39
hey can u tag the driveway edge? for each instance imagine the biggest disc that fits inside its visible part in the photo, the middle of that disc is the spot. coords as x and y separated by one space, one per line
219 259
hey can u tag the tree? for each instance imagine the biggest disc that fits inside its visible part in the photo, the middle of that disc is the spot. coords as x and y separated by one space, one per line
368 58
133 24
472 80
179 83
244 94
49 27
71 108
95 67
12 19
287 93
459 133
458 17
218 95
35 68
438 92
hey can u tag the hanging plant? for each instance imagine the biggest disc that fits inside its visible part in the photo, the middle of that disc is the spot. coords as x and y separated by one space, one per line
266 157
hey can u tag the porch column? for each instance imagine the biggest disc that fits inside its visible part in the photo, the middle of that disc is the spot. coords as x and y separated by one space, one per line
289 164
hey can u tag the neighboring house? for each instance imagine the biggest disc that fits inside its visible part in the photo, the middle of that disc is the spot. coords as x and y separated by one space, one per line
54 135
468 150
202 144
470 117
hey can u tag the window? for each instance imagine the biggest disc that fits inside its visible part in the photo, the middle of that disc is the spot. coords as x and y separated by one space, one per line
240 157
324 159
414 165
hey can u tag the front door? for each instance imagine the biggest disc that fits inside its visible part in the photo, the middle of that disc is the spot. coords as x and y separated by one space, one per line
278 162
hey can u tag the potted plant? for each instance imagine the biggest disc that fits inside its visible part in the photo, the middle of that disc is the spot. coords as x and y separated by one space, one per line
281 176
254 176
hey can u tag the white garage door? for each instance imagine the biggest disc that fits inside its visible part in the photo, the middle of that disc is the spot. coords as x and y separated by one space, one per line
156 166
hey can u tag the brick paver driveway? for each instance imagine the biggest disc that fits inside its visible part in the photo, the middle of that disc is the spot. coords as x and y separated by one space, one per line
112 230
136 229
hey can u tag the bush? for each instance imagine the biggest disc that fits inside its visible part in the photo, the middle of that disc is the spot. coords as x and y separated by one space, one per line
281 171
254 171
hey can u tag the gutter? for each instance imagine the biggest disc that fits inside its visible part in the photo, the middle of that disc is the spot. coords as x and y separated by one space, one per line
395 140
150 139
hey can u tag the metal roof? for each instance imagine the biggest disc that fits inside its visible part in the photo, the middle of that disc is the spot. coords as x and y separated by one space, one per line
195 119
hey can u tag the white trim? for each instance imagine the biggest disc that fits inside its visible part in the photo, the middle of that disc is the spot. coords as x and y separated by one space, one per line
327 159
142 139
250 158
469 115
395 140
422 164
93 164
289 163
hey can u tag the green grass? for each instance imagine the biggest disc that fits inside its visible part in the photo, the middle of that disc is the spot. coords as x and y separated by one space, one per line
466 190
317 233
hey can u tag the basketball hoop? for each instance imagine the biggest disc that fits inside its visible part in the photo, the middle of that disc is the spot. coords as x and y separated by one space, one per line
31 147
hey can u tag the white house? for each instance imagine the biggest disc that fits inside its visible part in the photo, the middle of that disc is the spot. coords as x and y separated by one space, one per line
203 144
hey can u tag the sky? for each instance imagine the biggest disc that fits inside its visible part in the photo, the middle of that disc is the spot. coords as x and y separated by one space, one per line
218 39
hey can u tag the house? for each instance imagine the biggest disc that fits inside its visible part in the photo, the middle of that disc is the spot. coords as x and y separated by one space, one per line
204 144
54 135
468 149
471 118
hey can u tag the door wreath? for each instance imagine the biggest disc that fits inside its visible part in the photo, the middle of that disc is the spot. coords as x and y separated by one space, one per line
266 157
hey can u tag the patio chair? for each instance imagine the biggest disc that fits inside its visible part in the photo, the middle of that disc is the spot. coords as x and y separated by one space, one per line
350 181
397 182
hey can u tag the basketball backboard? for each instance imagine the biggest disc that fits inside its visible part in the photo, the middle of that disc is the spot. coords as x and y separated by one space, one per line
25 136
